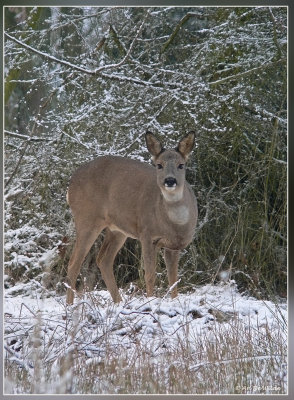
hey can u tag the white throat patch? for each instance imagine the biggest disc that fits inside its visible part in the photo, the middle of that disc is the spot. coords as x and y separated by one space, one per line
179 215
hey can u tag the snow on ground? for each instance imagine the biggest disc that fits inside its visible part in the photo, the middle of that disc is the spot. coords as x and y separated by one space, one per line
158 323
156 317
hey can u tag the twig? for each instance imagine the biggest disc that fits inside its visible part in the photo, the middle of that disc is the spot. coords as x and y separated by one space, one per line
99 71
275 32
48 56
239 359
171 288
26 137
177 28
77 67
28 142
24 305
15 357
249 72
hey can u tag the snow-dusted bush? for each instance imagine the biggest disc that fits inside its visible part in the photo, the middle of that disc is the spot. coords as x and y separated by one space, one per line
86 81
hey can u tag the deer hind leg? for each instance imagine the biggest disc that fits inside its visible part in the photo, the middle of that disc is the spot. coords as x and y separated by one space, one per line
112 243
171 258
84 241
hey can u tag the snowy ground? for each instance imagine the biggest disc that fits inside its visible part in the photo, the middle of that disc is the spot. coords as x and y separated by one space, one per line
94 325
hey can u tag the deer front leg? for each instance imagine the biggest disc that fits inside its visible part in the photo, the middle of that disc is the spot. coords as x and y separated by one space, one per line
149 252
171 258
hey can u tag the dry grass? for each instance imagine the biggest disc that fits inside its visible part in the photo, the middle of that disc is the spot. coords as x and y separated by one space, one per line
231 355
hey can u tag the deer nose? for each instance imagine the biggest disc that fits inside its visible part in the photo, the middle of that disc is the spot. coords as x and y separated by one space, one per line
170 182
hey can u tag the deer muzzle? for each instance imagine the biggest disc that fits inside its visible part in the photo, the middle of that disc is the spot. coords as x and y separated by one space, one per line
170 183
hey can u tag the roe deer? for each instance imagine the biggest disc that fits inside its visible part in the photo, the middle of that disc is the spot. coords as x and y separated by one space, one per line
129 198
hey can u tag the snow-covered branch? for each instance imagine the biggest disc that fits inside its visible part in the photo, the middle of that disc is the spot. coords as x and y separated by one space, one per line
249 72
178 27
98 71
111 66
26 137
49 57
95 71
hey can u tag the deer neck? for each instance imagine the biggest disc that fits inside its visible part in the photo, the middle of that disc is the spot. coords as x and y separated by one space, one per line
176 207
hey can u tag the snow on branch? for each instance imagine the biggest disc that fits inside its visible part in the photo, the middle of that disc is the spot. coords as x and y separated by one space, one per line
26 137
275 35
96 71
49 57
249 72
178 27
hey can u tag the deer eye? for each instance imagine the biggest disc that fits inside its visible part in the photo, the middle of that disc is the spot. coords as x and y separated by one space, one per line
181 166
159 166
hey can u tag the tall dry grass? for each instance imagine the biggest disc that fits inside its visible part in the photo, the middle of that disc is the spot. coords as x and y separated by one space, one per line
91 353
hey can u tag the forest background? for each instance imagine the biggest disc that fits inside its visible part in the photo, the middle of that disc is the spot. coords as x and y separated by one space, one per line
82 82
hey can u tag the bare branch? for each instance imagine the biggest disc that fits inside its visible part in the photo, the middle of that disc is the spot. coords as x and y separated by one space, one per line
77 67
49 57
275 38
26 137
249 72
98 70
32 132
177 28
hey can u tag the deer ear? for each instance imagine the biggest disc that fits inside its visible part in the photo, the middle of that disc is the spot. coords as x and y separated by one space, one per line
153 145
186 145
